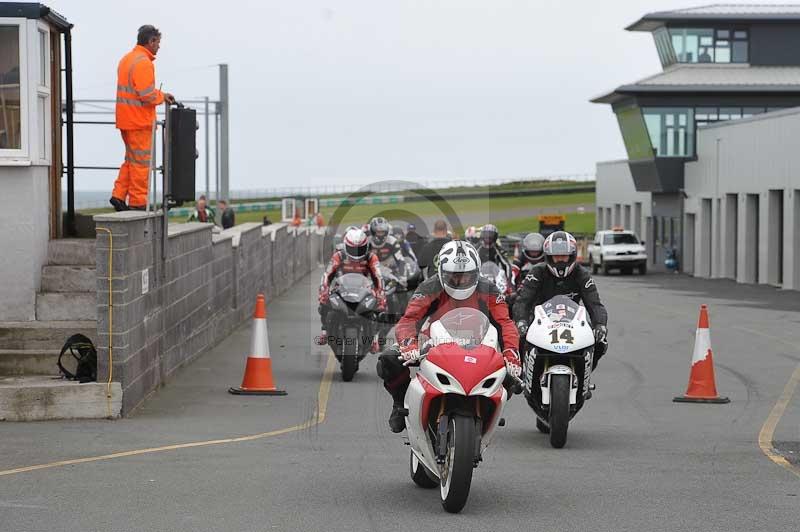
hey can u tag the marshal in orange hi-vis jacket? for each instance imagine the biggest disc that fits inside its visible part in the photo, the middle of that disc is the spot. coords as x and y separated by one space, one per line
137 98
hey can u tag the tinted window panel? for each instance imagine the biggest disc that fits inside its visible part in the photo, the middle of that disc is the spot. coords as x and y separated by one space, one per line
10 103
739 54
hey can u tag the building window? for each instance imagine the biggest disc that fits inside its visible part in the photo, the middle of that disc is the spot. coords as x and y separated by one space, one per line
707 45
739 47
10 93
709 115
43 94
664 47
671 130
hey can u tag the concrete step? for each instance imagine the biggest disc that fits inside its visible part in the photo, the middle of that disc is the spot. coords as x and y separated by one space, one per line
69 279
43 335
66 306
38 398
71 252
16 362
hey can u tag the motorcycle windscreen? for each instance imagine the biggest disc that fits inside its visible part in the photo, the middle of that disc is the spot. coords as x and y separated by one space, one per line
353 287
463 326
412 268
560 309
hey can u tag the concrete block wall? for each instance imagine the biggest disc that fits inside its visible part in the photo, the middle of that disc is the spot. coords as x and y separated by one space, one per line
166 313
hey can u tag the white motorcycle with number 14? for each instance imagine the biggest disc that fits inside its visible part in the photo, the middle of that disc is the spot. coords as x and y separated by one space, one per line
558 365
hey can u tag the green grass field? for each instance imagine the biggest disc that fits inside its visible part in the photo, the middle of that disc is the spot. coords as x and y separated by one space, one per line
575 223
358 214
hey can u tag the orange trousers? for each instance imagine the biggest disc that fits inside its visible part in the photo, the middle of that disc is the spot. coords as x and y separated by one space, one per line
133 180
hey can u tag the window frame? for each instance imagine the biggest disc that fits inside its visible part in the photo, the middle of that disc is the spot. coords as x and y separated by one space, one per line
44 92
15 156
664 137
682 33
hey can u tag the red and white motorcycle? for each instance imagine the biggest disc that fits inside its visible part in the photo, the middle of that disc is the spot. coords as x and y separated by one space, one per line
455 403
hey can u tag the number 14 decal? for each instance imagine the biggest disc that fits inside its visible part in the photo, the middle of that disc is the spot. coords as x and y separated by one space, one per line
566 335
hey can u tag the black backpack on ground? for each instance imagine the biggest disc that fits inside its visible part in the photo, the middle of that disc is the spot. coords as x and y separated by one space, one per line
83 351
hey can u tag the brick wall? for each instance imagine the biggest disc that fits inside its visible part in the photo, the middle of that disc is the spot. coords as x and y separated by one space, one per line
194 299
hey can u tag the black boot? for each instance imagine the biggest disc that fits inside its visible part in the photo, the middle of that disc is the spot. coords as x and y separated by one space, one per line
397 419
118 204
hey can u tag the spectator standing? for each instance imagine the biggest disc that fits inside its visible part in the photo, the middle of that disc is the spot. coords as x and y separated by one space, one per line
416 240
431 250
202 213
226 214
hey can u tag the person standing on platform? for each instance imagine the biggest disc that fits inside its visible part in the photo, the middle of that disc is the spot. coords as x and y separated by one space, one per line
137 99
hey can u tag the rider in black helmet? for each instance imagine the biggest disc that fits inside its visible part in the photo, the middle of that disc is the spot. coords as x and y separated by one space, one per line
560 274
490 250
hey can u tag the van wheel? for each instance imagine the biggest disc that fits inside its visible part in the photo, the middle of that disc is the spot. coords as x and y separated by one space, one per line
606 268
595 269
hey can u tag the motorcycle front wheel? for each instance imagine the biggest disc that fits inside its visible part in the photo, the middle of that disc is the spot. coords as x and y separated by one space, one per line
349 357
456 472
559 409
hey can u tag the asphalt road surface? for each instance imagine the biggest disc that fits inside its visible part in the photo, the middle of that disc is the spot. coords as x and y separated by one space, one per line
634 459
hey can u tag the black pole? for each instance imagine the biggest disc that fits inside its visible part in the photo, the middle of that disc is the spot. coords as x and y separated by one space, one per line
70 228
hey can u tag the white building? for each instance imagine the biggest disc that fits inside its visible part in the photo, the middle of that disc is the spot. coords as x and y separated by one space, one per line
30 150
742 211
712 165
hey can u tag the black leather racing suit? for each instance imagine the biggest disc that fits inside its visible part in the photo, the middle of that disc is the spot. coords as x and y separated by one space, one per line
540 285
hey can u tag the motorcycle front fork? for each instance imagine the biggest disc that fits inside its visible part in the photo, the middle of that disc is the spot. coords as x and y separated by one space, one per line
442 428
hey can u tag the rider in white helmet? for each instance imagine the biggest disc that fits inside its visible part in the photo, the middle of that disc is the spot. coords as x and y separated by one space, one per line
531 254
457 284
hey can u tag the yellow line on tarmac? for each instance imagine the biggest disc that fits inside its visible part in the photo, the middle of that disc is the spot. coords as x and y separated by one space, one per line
768 429
319 417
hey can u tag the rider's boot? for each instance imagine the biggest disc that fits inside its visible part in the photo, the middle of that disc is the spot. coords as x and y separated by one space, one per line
397 419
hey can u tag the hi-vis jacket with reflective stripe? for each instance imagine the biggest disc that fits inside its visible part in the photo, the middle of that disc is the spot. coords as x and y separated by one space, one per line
137 95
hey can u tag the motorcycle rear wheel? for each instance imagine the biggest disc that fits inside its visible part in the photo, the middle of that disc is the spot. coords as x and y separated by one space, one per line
559 409
456 475
420 475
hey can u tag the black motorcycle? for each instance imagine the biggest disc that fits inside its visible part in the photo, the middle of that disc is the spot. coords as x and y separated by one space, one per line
351 321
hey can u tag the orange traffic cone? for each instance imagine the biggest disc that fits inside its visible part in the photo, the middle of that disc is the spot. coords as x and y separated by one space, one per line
702 386
258 372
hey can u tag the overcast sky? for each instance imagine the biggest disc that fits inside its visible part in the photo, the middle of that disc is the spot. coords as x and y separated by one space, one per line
352 91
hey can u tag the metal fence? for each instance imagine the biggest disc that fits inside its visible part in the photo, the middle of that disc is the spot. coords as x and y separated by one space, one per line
99 199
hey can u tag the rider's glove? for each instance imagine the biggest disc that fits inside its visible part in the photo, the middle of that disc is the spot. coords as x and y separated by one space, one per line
410 352
513 366
323 297
601 334
522 327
